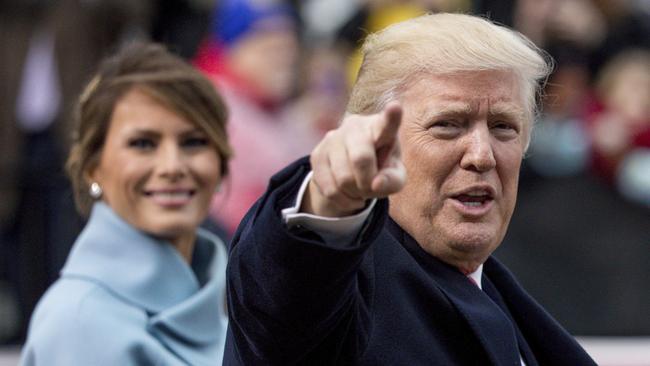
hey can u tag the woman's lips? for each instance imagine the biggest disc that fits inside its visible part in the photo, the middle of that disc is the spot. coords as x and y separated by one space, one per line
170 198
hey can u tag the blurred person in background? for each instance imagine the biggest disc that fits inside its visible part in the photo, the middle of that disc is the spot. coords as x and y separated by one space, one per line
252 55
48 50
619 124
570 30
45 60
323 88
142 284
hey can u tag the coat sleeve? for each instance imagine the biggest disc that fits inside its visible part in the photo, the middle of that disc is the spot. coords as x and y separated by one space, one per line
294 299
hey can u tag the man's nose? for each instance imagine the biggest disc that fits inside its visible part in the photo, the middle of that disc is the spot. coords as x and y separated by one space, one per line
479 154
170 162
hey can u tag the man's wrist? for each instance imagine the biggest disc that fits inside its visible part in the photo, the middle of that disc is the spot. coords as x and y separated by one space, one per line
333 229
314 202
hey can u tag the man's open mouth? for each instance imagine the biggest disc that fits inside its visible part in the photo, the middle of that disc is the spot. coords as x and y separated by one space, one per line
474 199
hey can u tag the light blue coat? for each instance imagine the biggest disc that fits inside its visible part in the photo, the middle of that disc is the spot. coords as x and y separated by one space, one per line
126 298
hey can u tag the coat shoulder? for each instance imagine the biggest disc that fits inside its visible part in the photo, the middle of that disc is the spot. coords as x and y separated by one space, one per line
81 322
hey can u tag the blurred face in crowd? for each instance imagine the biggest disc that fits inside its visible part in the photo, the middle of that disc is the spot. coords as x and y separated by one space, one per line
462 137
267 58
157 170
629 95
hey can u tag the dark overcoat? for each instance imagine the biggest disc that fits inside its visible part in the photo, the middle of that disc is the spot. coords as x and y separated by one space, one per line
295 299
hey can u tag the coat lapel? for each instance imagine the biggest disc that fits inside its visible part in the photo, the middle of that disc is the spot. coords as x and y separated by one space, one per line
492 327
185 314
551 344
200 320
524 348
488 322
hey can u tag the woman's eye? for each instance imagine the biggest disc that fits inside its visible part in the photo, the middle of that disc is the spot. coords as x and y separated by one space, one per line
196 142
142 143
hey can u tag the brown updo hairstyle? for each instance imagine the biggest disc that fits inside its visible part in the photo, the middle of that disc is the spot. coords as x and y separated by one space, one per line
161 75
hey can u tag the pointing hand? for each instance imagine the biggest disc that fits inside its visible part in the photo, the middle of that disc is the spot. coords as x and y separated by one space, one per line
356 162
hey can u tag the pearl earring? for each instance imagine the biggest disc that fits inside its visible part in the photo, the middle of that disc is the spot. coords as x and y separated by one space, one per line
95 190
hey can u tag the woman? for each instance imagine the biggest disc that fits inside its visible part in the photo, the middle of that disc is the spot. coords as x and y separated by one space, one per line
143 285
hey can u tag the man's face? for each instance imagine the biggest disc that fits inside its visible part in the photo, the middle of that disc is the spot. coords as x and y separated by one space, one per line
462 139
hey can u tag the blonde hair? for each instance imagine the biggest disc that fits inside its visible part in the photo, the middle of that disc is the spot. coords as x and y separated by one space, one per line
161 75
441 44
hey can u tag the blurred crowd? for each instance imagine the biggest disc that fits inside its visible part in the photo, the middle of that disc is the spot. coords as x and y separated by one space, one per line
284 69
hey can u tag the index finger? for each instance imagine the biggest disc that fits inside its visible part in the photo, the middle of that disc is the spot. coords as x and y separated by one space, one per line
386 127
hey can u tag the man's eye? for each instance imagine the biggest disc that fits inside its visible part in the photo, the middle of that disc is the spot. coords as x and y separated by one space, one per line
446 129
503 126
444 124
505 130
142 143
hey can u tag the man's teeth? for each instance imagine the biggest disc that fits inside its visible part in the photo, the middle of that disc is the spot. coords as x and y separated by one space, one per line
472 204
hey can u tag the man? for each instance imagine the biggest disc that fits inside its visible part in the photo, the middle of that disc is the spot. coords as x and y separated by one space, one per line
324 270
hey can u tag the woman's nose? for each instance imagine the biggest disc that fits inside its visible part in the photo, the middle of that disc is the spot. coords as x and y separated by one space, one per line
170 162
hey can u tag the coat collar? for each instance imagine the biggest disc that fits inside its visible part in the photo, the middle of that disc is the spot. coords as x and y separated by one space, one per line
150 273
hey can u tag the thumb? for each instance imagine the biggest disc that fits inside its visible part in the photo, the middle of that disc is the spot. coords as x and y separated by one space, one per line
390 179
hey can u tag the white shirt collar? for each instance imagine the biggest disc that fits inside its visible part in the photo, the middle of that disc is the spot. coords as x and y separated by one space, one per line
476 276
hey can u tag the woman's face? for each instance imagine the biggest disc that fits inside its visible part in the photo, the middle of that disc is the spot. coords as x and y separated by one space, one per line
157 170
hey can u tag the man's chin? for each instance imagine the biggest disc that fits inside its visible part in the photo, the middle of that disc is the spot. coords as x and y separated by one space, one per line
473 245
466 252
